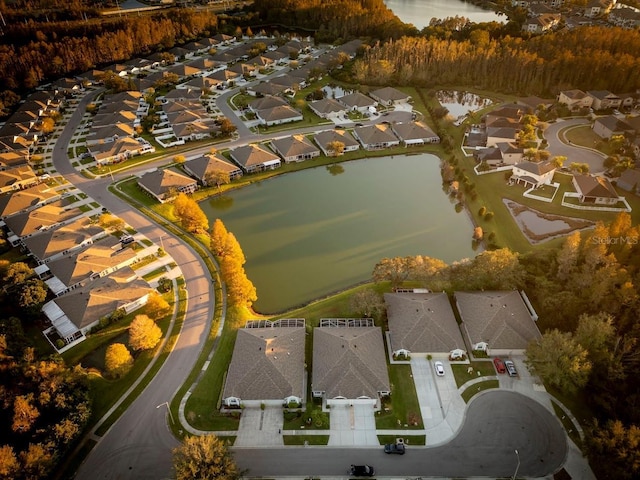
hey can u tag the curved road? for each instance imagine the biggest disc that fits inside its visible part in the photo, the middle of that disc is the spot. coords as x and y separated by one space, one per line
497 423
138 444
574 154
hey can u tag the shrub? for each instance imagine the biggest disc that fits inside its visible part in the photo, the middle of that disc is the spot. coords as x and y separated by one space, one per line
488 216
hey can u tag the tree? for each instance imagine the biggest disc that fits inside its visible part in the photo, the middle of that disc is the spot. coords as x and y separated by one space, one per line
32 294
218 238
335 148
117 360
367 302
17 273
217 178
47 125
613 450
204 458
8 462
567 257
240 290
189 214
25 413
144 334
36 460
395 270
156 306
558 161
478 234
579 167
557 358
180 159
110 221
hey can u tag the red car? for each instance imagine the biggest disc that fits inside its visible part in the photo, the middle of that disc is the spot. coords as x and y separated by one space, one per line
500 368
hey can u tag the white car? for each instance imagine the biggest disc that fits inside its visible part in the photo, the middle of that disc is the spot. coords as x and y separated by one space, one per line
439 367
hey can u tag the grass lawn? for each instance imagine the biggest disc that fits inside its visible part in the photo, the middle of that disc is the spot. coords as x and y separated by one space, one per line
305 439
485 369
402 410
568 425
409 440
583 135
477 388
300 420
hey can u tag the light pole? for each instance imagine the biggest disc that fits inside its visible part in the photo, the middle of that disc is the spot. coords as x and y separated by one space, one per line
166 404
517 466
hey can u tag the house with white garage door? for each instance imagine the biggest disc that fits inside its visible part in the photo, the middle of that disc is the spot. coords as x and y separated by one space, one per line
267 365
349 364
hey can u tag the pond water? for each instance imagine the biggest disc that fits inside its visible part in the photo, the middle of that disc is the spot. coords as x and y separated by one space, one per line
420 12
461 103
317 231
335 92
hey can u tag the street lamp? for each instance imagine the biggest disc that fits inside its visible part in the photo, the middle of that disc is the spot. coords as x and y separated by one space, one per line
166 404
517 466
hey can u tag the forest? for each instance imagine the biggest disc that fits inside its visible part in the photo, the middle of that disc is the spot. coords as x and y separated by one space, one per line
587 295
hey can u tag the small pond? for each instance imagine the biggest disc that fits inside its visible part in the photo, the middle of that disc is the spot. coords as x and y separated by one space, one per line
461 103
335 92
317 231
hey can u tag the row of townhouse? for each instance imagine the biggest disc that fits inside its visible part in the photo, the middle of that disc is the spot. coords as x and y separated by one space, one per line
86 268
349 363
576 99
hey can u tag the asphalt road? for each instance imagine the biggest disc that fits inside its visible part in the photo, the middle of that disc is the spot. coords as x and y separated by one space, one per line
497 424
574 154
138 445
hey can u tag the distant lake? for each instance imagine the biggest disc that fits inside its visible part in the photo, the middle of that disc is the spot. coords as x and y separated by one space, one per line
420 12
310 233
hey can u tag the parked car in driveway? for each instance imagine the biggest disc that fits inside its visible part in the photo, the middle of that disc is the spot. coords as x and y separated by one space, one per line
362 471
397 448
499 364
511 368
439 367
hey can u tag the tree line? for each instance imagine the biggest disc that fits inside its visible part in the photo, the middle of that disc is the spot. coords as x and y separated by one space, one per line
587 295
582 58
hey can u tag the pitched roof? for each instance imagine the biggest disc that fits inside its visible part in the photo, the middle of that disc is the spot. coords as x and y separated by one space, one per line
207 163
282 112
326 105
98 257
357 99
14 202
252 155
422 322
124 145
614 124
293 145
160 181
349 362
390 94
601 94
17 174
499 318
378 133
41 218
537 168
328 136
413 131
267 364
268 101
97 299
592 186
66 237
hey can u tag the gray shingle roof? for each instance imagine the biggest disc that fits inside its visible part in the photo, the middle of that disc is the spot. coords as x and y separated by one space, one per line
349 362
499 318
422 322
267 364
14 202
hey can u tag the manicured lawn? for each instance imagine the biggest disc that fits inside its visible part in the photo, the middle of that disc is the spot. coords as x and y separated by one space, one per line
568 425
408 440
305 439
477 388
403 409
460 371
301 420
584 136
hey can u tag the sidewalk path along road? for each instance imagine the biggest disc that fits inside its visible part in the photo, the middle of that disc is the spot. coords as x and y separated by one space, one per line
138 445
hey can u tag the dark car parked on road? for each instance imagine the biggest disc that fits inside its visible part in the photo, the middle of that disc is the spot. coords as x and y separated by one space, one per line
397 448
362 471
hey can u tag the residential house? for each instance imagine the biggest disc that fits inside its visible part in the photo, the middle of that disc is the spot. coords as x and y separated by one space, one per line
184 94
624 17
359 102
414 133
47 216
327 108
533 174
17 178
596 8
183 70
389 96
604 99
541 23
630 181
202 167
109 133
421 324
181 53
606 127
268 364
325 139
254 158
12 159
75 313
500 321
595 190
265 88
499 135
295 148
106 119
30 198
349 364
120 150
163 184
56 242
99 259
491 156
575 99
279 115
374 137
